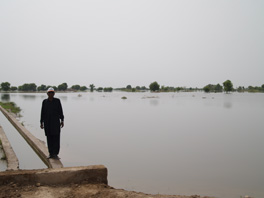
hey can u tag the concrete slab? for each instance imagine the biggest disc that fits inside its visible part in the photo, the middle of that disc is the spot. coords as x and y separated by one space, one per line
96 174
37 145
12 161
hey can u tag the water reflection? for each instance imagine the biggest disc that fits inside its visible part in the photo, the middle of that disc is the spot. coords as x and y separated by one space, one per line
91 99
228 101
63 98
28 97
5 97
227 105
154 102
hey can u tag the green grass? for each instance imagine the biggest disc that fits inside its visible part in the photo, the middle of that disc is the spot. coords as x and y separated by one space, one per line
11 106
4 157
1 147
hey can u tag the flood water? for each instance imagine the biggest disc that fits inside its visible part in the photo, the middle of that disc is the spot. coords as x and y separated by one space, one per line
167 143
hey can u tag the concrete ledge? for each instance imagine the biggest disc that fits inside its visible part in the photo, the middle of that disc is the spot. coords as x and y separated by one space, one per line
37 145
90 174
12 161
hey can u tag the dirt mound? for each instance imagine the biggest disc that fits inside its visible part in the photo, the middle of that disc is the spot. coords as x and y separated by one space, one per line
13 190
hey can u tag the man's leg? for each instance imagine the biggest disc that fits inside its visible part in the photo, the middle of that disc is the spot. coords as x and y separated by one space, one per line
56 144
50 145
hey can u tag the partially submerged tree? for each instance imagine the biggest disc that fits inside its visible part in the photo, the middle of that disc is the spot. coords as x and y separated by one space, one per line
108 89
206 89
42 88
76 87
91 87
83 88
129 87
28 87
100 89
63 87
13 88
154 86
5 86
228 86
213 88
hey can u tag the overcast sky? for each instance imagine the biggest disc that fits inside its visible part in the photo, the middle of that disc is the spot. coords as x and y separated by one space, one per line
117 42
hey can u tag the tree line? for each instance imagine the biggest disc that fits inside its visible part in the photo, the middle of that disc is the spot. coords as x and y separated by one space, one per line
227 86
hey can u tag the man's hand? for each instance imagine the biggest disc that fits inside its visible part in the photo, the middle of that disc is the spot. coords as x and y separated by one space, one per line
41 125
62 124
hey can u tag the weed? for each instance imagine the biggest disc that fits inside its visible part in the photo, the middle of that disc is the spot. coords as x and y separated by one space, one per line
10 106
4 157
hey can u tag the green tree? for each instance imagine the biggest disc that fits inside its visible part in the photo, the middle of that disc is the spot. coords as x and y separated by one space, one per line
91 87
108 89
206 88
154 86
240 89
228 86
178 89
218 88
143 88
63 87
83 88
100 89
42 88
76 87
129 87
28 87
13 88
5 86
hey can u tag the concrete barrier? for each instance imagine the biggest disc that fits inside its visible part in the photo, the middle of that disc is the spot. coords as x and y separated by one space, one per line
60 176
37 145
12 161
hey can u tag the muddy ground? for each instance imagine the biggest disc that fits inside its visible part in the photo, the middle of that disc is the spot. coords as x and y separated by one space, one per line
13 190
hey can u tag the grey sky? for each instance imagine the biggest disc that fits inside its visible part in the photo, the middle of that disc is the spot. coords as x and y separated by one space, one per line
118 42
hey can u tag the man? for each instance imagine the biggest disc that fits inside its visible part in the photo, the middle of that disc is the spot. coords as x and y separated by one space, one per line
52 120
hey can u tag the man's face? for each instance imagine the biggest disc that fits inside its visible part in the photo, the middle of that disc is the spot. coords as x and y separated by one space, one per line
51 94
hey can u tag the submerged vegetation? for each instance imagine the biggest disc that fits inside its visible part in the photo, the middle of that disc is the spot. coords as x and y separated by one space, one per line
11 106
3 157
1 147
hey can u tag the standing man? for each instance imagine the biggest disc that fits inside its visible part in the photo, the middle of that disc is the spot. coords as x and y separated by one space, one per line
52 120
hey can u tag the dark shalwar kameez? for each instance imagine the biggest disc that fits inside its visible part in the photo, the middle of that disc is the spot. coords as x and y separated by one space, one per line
51 115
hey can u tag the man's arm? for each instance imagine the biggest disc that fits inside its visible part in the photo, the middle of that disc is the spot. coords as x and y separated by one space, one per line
61 114
42 115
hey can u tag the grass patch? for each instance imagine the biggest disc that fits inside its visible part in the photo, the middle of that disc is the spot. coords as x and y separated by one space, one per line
11 106
1 147
4 157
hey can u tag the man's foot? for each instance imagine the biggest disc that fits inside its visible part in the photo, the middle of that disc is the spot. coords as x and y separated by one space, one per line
55 157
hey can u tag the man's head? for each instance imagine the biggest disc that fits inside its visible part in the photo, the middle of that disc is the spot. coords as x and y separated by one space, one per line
50 92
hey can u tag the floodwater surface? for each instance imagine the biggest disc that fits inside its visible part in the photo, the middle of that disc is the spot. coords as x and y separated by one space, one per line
167 143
